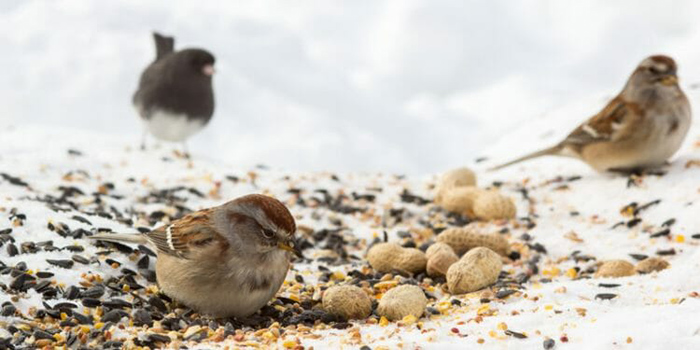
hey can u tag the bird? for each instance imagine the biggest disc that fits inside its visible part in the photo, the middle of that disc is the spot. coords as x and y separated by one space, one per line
225 261
639 129
175 97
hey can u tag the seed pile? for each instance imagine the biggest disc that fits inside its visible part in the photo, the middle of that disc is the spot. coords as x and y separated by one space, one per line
383 262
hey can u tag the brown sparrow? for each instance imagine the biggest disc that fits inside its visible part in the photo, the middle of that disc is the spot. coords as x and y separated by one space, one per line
642 127
225 261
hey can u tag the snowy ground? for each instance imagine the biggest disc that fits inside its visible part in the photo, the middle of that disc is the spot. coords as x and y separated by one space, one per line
653 311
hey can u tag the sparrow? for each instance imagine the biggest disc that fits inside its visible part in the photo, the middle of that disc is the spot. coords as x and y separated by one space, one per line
225 261
175 98
641 128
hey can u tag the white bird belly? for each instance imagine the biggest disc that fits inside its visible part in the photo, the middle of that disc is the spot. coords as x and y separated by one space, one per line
172 127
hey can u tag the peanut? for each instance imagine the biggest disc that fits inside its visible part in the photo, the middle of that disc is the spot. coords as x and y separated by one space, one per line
462 239
615 268
385 257
460 200
649 265
402 301
477 269
491 205
461 177
440 258
349 302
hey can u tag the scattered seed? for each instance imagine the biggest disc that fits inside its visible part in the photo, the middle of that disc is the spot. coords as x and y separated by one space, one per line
605 296
515 334
66 264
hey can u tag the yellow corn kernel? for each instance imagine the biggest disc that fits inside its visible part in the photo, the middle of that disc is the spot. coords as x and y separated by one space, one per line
571 273
680 238
383 321
289 344
409 320
502 326
338 276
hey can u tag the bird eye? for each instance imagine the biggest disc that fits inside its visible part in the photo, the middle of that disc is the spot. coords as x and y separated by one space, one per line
653 70
268 233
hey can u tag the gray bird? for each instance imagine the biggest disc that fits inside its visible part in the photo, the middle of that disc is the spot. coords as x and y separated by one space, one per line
175 98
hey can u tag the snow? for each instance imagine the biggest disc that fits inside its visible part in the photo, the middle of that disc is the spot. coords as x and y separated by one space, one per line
362 91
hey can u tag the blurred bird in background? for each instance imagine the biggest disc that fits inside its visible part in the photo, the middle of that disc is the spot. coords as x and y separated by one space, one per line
175 98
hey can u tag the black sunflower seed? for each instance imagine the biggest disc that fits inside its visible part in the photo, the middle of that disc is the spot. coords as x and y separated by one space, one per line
39 334
114 316
91 302
40 286
82 319
66 264
44 274
64 305
146 250
666 252
81 219
664 232
157 303
159 338
117 304
502 294
8 310
515 334
142 317
143 263
93 292
71 293
608 285
74 248
112 344
638 256
80 259
12 249
23 282
605 296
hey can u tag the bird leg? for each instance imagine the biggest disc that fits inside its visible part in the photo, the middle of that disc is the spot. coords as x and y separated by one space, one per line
143 139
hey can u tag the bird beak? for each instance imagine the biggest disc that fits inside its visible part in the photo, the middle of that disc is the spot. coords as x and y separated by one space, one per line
669 80
208 70
290 246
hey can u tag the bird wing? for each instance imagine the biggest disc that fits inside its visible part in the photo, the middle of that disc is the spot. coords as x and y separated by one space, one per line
181 236
608 125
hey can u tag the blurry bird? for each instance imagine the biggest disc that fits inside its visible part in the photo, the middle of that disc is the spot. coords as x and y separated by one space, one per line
641 128
175 98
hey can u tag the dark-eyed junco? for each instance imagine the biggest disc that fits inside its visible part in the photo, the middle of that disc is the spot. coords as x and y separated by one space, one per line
175 97
226 261
640 128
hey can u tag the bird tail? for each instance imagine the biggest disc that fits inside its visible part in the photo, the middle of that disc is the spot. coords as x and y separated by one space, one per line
121 237
555 150
164 45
